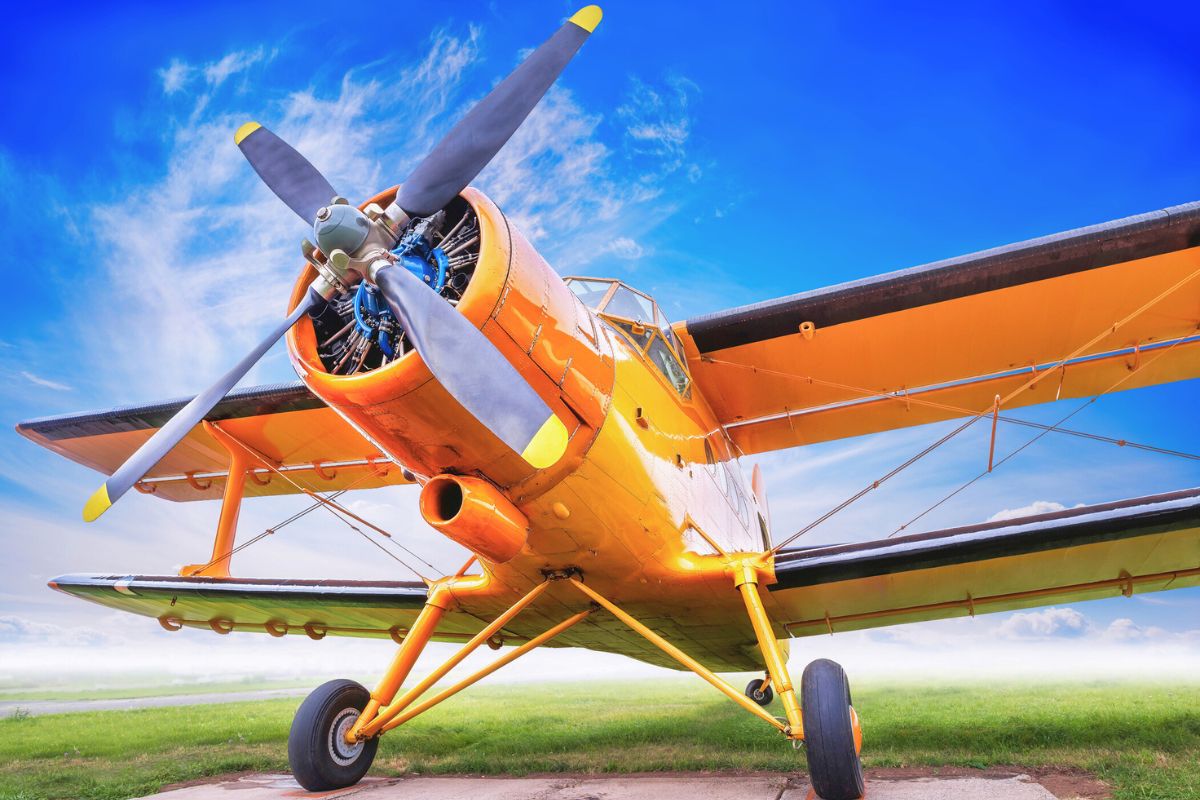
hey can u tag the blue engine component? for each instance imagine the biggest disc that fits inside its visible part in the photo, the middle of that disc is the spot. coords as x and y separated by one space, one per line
372 316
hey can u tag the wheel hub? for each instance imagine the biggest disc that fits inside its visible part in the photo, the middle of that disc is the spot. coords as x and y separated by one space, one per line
344 753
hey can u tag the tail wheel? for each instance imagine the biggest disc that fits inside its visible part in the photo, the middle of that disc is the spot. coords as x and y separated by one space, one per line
320 757
832 735
763 695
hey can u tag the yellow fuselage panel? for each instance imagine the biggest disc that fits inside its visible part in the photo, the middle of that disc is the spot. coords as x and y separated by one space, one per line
631 502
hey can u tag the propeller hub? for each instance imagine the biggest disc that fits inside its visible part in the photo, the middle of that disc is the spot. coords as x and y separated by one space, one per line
341 227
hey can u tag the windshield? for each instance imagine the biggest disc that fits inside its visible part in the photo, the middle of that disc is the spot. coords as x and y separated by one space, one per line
642 322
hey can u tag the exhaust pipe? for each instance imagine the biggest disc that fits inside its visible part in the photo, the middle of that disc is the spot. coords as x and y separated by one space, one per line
475 514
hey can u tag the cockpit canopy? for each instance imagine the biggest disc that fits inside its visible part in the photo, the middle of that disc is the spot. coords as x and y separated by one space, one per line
641 320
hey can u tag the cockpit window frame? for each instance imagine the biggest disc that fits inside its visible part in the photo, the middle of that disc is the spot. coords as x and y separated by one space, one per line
628 327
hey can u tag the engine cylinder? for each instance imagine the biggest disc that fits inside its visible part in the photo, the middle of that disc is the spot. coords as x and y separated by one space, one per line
475 514
526 311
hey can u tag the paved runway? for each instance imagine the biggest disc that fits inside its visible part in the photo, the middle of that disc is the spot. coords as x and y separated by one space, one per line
39 707
637 787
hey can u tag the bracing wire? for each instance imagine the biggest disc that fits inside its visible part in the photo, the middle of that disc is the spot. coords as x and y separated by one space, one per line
1047 429
278 526
339 510
1107 331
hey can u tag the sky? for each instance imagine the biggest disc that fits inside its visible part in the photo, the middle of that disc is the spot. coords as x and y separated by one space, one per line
709 156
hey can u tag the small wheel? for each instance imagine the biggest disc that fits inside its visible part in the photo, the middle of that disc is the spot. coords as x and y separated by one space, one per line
832 736
320 757
758 693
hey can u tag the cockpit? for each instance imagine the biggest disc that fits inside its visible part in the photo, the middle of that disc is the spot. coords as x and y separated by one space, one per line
639 318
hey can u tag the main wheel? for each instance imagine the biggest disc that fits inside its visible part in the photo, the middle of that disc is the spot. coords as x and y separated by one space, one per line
763 695
832 737
320 757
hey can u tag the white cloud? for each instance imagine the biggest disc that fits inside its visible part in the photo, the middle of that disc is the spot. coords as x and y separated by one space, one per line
659 122
1036 507
219 71
199 263
45 382
175 76
1047 622
626 248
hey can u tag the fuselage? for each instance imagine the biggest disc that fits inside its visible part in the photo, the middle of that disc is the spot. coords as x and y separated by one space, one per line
646 503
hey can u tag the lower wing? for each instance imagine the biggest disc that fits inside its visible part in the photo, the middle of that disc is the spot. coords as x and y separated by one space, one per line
1142 545
277 607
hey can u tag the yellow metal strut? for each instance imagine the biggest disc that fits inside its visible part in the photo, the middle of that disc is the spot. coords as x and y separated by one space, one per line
384 712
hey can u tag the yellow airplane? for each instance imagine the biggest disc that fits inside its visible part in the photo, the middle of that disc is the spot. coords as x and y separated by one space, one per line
584 449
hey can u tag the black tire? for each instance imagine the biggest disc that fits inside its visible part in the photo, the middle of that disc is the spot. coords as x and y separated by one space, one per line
763 697
317 750
833 763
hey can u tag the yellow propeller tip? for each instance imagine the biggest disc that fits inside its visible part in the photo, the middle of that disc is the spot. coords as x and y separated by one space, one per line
547 445
244 131
587 17
97 504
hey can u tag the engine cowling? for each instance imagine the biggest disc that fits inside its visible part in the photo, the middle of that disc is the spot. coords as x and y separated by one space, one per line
526 311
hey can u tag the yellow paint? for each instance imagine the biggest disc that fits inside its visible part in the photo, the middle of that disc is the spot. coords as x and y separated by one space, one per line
587 17
504 660
245 130
97 504
367 727
746 580
547 445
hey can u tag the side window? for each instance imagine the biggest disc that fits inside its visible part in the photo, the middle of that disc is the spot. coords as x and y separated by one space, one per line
667 364
640 339
709 460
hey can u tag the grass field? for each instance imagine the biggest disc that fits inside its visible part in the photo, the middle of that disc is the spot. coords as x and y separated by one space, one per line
1144 740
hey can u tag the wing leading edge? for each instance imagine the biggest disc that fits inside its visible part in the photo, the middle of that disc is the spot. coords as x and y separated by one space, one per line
1145 544
942 340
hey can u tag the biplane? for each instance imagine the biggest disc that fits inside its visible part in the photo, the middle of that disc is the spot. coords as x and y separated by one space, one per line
585 449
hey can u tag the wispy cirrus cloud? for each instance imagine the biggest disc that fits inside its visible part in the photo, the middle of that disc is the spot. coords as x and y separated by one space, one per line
191 284
45 383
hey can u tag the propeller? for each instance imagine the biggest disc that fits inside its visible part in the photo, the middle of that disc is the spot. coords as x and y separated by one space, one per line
177 427
471 369
462 359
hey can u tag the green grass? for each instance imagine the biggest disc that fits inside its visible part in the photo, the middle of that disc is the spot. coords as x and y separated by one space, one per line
1143 739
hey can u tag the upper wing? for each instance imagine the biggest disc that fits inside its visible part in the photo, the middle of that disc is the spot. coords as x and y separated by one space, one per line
942 340
1141 545
303 437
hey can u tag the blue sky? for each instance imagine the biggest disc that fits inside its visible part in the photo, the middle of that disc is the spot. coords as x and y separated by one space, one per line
710 156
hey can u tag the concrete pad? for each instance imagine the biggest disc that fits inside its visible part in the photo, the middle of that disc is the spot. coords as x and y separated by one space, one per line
263 787
628 787
699 787
1017 787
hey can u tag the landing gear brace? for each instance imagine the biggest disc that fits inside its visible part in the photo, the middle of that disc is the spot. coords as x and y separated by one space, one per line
335 732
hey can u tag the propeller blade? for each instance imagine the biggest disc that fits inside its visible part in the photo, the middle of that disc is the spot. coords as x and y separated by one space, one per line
291 176
478 136
472 370
170 434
